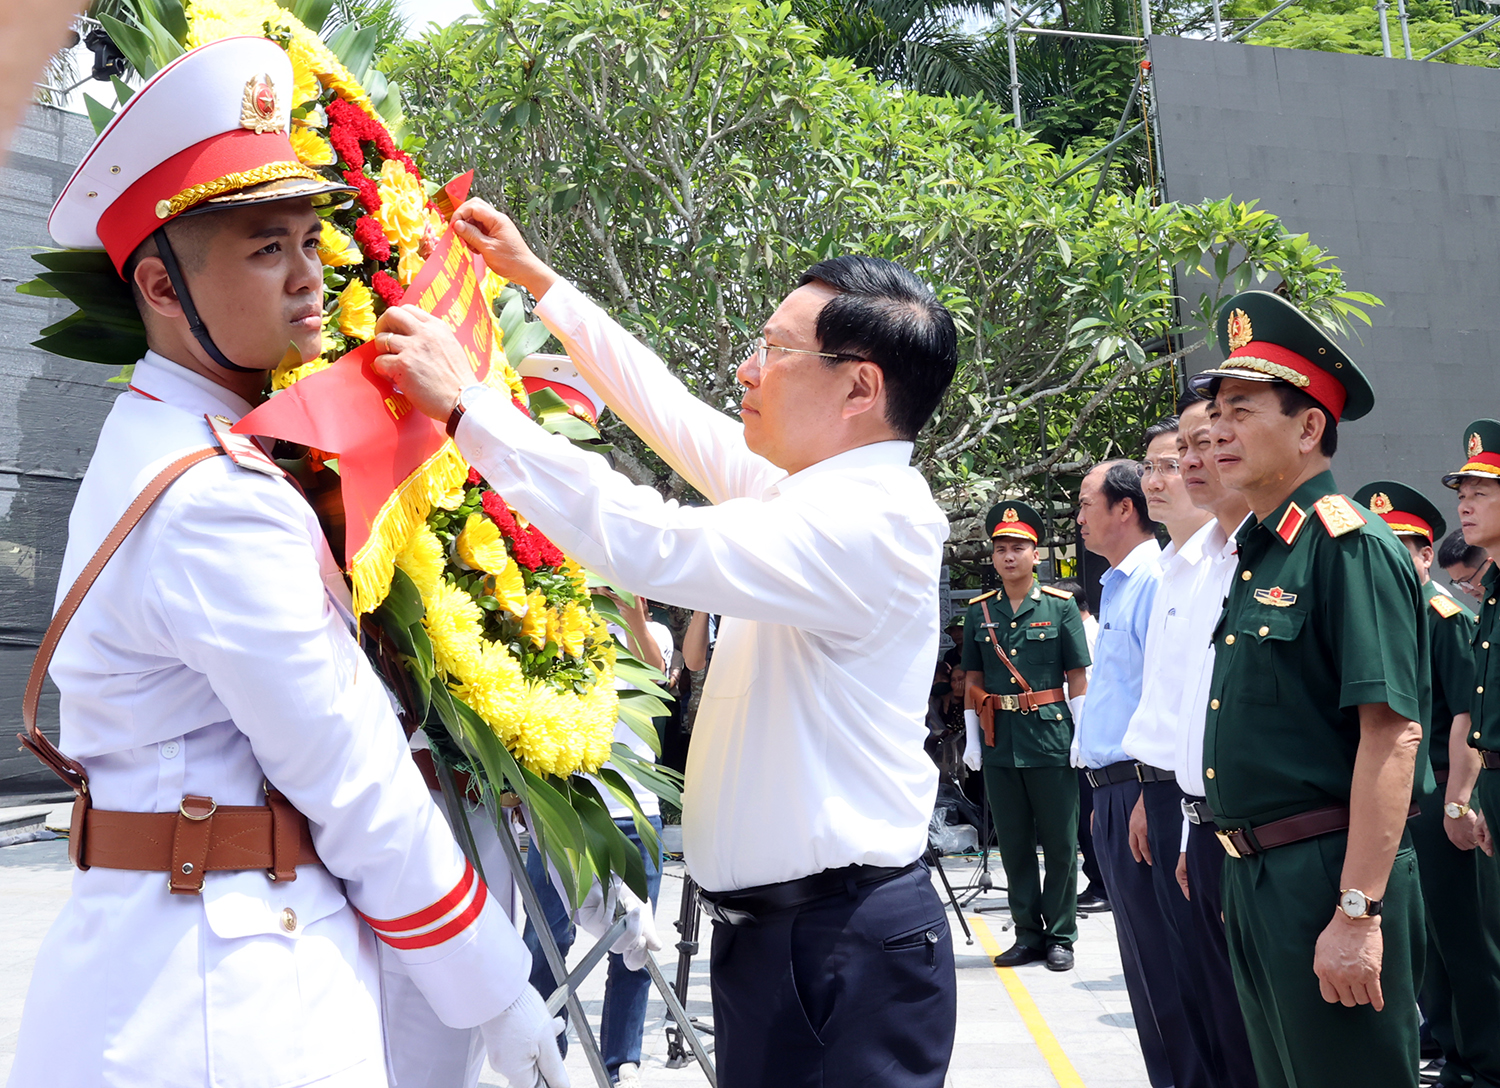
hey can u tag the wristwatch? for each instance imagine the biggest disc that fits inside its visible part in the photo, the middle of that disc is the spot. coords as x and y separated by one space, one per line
457 415
1456 810
1356 904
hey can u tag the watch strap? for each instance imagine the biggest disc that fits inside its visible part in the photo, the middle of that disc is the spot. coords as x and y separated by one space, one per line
455 417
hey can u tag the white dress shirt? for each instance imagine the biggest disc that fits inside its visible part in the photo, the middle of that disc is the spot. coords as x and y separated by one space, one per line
1170 655
1220 560
209 658
807 750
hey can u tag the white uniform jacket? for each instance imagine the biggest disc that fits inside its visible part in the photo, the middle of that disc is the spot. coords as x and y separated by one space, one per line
208 658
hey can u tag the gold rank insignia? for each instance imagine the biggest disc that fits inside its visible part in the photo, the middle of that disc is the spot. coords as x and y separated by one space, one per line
1338 515
258 108
1445 606
1276 597
1380 503
1240 331
1475 445
983 596
1054 591
1291 523
1010 515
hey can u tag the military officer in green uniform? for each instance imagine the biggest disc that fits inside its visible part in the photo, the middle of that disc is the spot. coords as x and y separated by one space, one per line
1020 643
1461 987
1313 731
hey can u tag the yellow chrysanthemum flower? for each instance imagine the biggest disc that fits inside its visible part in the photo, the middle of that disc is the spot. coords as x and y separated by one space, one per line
534 621
312 149
357 311
336 249
454 623
421 557
572 629
403 216
510 589
495 690
481 546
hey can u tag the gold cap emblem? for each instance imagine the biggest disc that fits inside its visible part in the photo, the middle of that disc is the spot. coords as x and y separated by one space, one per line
1475 446
1010 514
1240 332
1380 503
258 108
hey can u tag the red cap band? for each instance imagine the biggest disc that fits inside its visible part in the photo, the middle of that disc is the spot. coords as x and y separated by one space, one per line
1316 382
130 220
1402 522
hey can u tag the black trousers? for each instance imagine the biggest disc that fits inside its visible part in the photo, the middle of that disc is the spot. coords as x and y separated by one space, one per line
1090 865
853 989
1149 944
1209 952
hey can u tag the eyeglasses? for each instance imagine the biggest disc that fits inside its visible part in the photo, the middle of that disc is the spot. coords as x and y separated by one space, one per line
1167 466
758 348
1474 582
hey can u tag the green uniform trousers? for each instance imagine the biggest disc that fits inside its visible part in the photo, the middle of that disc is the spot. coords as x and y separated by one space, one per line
1275 905
1461 987
1031 805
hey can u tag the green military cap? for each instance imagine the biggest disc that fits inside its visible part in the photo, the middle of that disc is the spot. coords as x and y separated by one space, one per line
1266 339
1014 519
1405 509
1481 453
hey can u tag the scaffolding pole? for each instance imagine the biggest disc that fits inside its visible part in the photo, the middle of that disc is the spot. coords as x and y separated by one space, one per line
1478 30
1010 48
1385 27
1218 23
1405 30
1277 10
1047 32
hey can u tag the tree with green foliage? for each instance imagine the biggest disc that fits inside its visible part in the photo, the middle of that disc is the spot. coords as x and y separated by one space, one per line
684 165
1353 26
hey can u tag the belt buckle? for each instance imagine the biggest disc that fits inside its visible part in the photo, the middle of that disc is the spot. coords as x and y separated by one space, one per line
1226 840
1010 702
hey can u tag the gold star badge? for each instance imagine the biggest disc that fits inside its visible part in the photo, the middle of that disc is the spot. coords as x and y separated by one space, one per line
1475 446
1010 515
1380 503
1240 332
258 107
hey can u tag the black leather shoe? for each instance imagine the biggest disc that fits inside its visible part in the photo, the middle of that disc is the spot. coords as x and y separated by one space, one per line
1092 903
1019 954
1059 958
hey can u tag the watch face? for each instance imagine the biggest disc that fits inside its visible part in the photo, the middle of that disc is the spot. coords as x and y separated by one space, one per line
1353 903
1453 810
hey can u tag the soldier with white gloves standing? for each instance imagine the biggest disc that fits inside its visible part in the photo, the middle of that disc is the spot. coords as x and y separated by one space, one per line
250 820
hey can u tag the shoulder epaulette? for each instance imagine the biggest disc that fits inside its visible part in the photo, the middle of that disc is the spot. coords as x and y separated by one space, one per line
983 596
1338 515
241 448
1445 606
1054 591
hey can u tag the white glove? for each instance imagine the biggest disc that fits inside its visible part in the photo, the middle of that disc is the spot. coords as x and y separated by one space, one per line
522 1043
973 747
598 913
1075 707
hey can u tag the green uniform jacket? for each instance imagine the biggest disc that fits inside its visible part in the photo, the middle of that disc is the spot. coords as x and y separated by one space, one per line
1452 667
1044 639
1485 706
1322 617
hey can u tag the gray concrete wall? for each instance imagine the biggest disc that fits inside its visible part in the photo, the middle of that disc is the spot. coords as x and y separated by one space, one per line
50 413
1394 167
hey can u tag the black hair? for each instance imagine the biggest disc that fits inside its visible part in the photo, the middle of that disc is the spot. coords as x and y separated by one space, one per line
1079 597
190 237
1164 425
1294 402
1121 481
1455 551
885 314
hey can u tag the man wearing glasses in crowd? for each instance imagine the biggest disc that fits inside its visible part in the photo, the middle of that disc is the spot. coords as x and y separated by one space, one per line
809 791
1464 563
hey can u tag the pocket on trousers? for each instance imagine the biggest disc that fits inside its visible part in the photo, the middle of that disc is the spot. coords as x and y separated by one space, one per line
923 938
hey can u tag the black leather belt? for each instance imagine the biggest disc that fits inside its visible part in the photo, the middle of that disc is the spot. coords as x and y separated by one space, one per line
1197 811
1490 759
746 906
1123 771
1147 773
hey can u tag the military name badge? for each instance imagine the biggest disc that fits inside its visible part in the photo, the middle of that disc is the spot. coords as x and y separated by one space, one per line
258 110
1276 597
1240 330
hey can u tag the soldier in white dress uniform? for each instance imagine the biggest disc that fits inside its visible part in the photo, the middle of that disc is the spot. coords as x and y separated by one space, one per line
212 665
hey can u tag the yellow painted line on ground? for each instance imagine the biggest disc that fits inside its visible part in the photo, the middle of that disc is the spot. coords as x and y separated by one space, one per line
1031 1016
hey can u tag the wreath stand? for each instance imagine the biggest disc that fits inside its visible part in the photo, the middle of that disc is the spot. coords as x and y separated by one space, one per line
567 984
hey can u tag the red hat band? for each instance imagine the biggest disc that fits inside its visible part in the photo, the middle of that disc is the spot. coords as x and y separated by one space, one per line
1275 361
211 167
1402 522
1486 463
1015 528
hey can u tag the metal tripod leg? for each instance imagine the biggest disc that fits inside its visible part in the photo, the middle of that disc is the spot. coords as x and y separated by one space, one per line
958 912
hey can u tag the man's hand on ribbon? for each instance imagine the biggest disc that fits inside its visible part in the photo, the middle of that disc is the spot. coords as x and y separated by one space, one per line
420 356
497 239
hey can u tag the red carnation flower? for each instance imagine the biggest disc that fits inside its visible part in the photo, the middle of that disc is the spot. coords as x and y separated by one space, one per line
387 287
372 239
369 196
548 552
474 478
345 141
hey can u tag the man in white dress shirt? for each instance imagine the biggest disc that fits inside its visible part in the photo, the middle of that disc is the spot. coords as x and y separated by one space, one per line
808 790
212 669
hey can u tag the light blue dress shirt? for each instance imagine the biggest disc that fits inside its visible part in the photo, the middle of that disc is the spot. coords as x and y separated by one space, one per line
1127 593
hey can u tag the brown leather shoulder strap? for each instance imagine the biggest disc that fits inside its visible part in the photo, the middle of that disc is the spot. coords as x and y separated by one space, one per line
70 770
995 645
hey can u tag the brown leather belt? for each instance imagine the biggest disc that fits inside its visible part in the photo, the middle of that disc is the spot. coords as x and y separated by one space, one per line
422 757
1242 842
1490 759
1026 701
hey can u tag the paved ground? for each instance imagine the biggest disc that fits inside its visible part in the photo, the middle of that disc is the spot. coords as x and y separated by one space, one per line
1023 1027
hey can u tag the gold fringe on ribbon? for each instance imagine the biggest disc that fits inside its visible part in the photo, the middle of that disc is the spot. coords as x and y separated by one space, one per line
374 564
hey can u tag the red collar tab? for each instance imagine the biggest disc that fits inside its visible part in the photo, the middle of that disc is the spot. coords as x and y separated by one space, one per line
1291 523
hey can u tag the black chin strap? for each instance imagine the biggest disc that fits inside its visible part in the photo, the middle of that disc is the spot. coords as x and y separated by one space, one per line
189 311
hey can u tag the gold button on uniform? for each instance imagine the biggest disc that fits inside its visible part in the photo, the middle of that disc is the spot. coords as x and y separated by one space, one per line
1486 645
1013 653
1012 623
1480 689
1228 640
1209 773
1492 600
289 920
1213 704
1264 631
1476 734
1245 577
